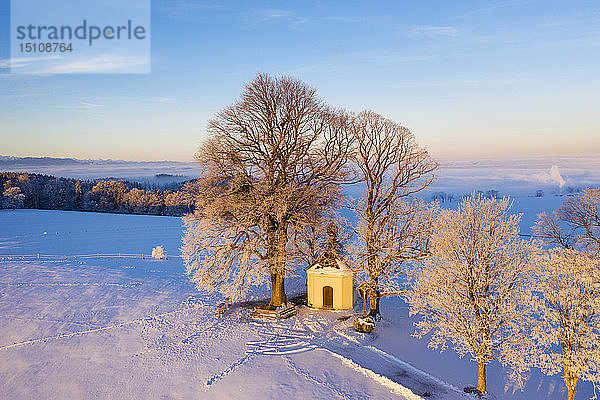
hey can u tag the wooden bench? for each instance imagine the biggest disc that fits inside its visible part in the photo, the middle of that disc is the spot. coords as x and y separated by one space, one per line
222 307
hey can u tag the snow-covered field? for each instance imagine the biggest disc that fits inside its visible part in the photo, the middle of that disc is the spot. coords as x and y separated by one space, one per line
76 325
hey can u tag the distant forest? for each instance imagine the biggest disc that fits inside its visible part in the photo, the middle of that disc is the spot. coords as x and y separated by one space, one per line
25 190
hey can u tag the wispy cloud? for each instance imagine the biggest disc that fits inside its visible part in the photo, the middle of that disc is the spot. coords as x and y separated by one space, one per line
22 62
106 63
270 15
190 5
354 60
134 100
287 16
359 60
55 64
491 8
472 82
85 107
192 10
97 106
91 105
432 31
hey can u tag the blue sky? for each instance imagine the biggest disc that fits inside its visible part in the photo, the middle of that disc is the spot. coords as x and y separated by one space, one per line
470 79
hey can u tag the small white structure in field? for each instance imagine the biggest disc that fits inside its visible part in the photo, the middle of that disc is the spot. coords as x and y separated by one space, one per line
159 252
330 286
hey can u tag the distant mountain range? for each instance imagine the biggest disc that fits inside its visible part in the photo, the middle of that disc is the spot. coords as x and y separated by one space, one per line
17 161
12 160
142 171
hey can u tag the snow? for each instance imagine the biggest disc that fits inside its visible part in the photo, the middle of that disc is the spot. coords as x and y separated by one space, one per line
133 327
342 269
158 252
129 327
393 336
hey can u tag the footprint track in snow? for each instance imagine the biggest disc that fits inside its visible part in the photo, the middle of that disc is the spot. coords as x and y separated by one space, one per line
228 370
306 375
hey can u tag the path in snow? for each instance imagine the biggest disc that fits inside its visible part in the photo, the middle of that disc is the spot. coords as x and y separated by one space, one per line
312 329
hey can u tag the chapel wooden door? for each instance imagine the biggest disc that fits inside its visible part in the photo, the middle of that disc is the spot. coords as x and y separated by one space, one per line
327 297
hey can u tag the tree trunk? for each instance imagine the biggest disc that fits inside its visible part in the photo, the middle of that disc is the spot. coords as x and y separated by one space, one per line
481 378
571 382
374 299
374 293
374 304
278 296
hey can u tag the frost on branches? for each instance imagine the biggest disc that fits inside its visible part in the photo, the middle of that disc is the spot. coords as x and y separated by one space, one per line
566 333
473 291
272 166
383 244
158 252
392 227
575 225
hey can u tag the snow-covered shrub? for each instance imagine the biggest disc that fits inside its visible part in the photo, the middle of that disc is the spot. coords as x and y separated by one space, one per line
363 324
159 252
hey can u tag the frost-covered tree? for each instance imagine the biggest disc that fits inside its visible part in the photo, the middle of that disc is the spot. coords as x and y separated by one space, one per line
272 163
472 293
176 203
111 194
566 319
391 227
400 235
49 192
575 225
12 197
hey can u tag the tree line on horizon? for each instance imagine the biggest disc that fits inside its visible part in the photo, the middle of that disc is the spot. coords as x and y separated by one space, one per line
38 191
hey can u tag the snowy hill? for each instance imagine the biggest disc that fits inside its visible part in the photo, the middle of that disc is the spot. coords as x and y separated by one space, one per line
77 320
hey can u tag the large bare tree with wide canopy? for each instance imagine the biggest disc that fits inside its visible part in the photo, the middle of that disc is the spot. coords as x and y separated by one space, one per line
272 165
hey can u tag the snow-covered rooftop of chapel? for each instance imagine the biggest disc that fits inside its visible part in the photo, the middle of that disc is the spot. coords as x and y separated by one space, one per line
341 268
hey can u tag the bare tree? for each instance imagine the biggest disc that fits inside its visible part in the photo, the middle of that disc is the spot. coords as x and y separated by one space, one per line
400 235
473 290
576 224
566 318
392 227
273 161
